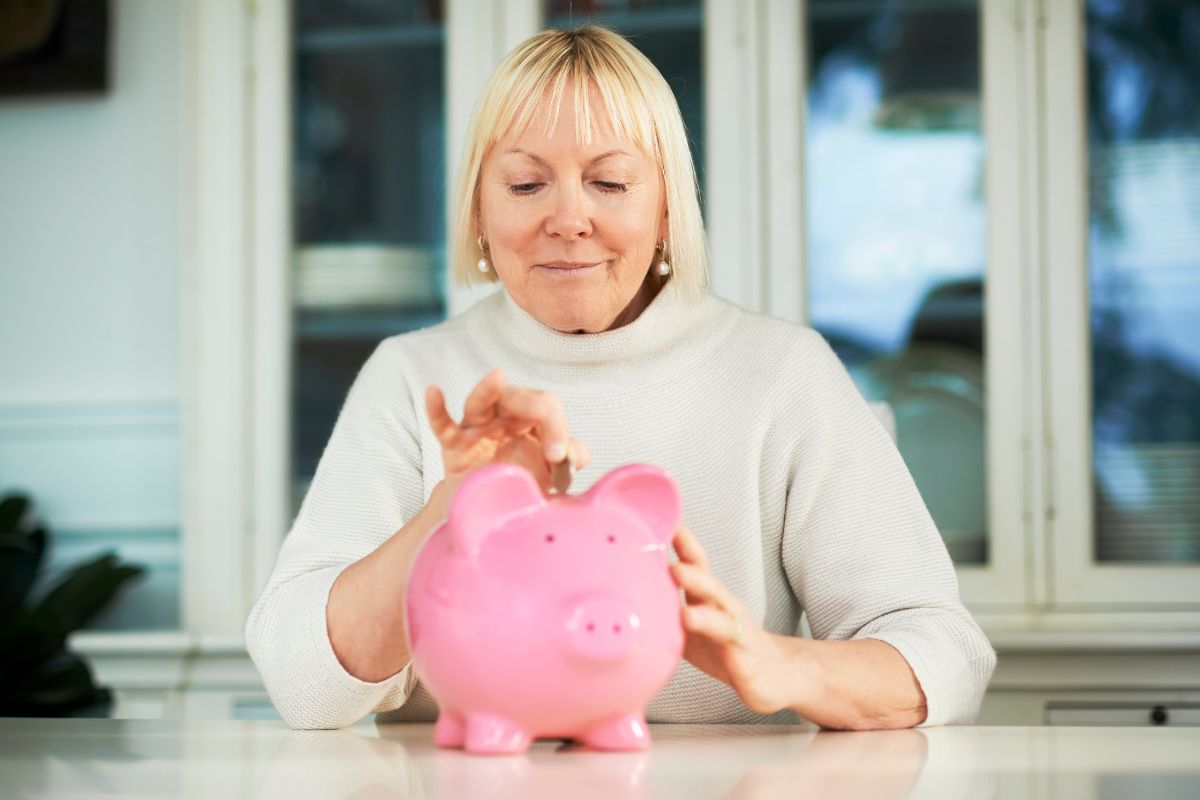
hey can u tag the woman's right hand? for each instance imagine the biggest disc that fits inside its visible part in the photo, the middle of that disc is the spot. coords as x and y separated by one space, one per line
504 423
500 423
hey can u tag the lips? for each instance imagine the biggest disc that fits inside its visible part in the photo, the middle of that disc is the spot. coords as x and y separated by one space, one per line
569 265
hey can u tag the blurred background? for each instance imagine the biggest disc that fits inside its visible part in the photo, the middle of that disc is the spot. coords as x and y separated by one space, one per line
212 212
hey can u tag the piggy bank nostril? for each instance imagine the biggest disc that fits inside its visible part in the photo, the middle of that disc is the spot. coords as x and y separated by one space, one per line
550 538
612 539
601 628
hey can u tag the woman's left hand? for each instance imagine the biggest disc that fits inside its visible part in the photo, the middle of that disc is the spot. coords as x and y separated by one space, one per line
724 641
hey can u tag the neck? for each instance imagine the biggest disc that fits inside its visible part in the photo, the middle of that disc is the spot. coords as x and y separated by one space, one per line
666 321
641 300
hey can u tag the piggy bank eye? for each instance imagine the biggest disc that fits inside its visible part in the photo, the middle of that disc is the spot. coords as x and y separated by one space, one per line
612 539
549 538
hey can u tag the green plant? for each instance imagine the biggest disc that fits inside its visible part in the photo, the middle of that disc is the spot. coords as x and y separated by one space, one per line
39 675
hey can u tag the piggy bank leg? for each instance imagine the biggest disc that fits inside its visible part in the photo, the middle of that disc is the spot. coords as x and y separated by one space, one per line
623 733
492 733
450 730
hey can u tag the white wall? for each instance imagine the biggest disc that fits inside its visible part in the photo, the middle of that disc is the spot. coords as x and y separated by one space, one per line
91 247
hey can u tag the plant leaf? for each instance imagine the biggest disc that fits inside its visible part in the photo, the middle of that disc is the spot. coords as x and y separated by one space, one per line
14 512
28 639
19 567
86 590
63 685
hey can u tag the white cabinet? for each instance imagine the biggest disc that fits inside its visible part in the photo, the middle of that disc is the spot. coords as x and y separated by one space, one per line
1128 713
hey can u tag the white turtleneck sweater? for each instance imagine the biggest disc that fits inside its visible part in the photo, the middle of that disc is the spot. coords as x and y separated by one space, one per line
789 481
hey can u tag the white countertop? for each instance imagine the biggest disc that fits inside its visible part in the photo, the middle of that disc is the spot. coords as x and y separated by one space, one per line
82 758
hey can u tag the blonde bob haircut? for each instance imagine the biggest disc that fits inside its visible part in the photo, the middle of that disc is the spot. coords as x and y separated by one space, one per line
640 106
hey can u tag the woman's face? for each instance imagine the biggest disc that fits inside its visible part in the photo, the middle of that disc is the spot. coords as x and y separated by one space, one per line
572 228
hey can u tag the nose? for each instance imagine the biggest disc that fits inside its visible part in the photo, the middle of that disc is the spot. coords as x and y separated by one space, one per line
569 216
601 628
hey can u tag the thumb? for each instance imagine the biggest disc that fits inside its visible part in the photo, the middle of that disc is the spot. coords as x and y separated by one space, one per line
526 451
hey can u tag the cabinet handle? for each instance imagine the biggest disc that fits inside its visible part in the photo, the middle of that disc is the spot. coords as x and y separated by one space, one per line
1158 715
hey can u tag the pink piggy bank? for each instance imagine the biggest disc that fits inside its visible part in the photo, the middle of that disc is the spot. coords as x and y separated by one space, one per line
534 617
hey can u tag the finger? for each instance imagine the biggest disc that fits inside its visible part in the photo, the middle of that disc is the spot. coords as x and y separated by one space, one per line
702 586
578 453
689 549
545 410
443 426
710 622
689 599
480 407
526 452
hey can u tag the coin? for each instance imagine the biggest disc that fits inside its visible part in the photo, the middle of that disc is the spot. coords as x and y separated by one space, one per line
560 476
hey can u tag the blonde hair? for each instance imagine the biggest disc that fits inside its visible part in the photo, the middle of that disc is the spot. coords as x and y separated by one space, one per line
640 106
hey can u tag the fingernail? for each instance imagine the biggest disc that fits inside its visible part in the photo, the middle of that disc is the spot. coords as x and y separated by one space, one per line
557 452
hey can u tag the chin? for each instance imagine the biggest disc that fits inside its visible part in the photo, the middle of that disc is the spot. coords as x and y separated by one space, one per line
570 318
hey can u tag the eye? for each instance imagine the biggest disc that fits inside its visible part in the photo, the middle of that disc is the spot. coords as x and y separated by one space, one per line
608 187
550 538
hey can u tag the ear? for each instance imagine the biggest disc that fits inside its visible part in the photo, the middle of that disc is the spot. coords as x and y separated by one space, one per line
645 491
486 499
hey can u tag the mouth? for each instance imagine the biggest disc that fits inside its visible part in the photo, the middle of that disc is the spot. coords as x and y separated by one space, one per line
569 266
570 270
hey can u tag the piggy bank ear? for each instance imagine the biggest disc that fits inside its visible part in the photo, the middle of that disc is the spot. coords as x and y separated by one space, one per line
644 490
486 499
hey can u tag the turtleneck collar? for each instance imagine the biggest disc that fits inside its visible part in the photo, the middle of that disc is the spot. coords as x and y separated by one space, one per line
652 340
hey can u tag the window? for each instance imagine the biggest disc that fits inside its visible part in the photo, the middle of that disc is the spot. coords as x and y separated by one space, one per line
896 234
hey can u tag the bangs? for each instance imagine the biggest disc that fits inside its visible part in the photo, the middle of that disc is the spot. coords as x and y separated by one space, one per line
576 64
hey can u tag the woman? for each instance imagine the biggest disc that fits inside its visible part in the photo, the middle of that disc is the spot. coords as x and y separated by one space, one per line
578 194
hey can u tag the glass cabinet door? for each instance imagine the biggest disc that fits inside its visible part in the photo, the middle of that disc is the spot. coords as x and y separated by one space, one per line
1122 277
1143 135
896 234
367 197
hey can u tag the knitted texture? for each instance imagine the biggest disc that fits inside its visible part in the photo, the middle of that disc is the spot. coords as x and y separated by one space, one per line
789 481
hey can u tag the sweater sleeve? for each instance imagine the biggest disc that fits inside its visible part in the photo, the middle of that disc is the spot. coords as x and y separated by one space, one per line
862 553
367 485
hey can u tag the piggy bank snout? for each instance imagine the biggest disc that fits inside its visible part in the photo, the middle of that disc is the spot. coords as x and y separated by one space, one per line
600 627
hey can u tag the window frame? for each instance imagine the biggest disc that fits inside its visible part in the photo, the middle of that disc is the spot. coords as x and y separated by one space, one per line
1005 584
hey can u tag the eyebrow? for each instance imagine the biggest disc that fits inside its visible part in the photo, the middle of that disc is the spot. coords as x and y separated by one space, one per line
601 157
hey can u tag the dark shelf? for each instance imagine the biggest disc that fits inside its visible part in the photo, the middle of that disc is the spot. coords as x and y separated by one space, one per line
647 21
359 324
417 34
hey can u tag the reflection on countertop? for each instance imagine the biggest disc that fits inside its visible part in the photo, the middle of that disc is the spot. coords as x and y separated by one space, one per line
228 759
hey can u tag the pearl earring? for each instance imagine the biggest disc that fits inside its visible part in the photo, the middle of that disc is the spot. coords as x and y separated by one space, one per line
664 268
483 262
